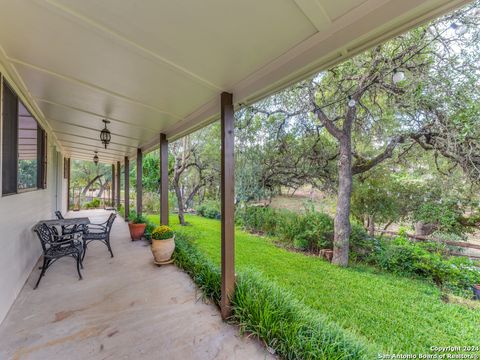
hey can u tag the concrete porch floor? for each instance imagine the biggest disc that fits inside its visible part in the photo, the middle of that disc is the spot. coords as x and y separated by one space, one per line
124 308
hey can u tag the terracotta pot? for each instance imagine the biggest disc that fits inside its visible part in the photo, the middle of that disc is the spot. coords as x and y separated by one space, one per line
136 230
162 250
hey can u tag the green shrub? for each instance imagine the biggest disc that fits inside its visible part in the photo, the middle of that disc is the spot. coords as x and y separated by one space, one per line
362 246
209 209
258 219
445 216
427 260
138 219
95 203
149 228
121 210
291 329
314 231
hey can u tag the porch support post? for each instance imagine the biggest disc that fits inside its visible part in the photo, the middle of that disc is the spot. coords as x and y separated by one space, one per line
68 184
227 184
127 187
139 181
112 192
163 179
117 183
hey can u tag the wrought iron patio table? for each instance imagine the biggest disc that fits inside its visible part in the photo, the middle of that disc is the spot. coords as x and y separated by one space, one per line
66 222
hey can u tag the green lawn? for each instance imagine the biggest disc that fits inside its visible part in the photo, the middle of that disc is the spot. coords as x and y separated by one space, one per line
392 313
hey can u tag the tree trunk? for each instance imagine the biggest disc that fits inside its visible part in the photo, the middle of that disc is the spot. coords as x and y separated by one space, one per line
90 183
371 225
342 215
178 193
387 225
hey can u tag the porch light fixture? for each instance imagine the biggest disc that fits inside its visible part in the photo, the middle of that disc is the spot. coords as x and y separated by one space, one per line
105 135
95 158
398 76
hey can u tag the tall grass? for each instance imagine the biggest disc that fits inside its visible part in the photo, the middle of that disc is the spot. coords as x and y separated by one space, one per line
260 308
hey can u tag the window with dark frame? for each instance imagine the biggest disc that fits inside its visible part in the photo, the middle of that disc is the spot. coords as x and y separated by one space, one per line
24 145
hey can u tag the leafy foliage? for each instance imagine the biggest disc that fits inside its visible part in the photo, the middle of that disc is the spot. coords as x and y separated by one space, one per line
209 209
162 232
403 307
138 219
446 216
426 260
94 204
262 309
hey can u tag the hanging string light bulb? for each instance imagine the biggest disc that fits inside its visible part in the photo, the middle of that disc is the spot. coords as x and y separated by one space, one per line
459 29
95 158
398 76
351 102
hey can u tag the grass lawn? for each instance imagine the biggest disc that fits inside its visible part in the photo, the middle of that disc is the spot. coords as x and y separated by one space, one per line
394 314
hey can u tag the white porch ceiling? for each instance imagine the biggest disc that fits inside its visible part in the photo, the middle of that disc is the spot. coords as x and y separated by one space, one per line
156 66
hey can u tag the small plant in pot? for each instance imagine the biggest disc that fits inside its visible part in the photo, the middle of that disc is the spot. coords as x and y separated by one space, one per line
137 227
163 245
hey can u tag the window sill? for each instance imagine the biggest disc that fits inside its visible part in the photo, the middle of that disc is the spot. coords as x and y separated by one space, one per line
23 191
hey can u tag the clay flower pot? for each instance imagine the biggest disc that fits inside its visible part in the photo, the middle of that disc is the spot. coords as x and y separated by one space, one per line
136 230
162 250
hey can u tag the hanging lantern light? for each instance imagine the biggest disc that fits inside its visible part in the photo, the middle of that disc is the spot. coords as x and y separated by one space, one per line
351 102
105 135
398 76
95 158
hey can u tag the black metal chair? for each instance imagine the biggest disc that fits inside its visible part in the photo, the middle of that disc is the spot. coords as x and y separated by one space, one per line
98 232
68 229
56 246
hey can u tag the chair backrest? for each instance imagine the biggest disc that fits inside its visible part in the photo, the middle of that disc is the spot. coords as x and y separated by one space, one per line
110 221
45 235
59 215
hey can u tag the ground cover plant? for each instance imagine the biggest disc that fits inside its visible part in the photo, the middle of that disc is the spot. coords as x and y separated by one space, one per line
310 231
288 327
391 312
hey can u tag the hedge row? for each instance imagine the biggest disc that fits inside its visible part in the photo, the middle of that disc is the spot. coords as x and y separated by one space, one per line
291 329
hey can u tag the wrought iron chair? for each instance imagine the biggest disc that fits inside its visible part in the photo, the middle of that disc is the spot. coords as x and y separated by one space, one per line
56 246
98 232
68 229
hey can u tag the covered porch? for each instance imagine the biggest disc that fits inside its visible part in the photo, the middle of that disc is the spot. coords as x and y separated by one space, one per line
124 308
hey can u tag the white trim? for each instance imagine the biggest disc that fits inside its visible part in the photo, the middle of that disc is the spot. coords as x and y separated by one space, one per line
26 97
90 86
130 43
315 13
317 53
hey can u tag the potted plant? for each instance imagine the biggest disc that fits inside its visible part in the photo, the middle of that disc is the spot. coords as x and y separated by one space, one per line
137 227
476 291
148 231
163 244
